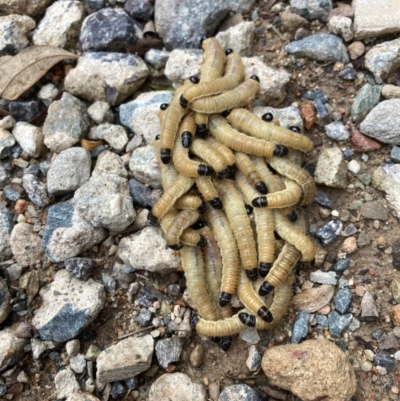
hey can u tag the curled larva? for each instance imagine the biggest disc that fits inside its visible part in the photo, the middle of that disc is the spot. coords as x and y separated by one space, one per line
183 220
295 173
213 64
211 156
201 122
193 266
187 130
234 71
208 192
242 95
225 152
245 121
234 139
229 253
191 202
246 166
239 221
264 225
273 181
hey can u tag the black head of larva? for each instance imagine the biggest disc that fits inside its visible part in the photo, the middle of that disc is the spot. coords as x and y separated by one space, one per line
264 268
202 208
194 320
158 137
292 216
202 242
216 203
295 129
165 155
224 299
265 288
187 138
261 201
249 209
280 150
226 113
277 236
194 80
222 174
183 102
265 314
198 225
228 51
268 117
175 247
262 188
255 77
201 130
232 168
226 342
247 319
203 169
164 106
252 274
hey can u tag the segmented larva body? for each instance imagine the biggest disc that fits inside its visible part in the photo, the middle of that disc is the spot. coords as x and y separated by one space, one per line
193 266
193 202
234 72
208 191
245 121
187 129
213 64
246 166
225 152
239 221
242 95
295 173
234 139
183 220
229 253
273 184
210 155
201 120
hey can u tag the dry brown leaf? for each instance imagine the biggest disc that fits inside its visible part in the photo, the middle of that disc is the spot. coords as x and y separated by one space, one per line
32 287
23 70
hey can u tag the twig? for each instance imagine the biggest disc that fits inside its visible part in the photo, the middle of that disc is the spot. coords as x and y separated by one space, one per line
135 332
280 35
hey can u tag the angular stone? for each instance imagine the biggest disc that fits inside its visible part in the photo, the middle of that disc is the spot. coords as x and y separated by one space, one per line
312 9
6 226
11 347
343 300
337 131
5 300
331 169
389 341
369 312
36 190
156 58
337 323
7 141
239 38
69 305
300 326
342 26
390 91
114 135
141 10
314 299
109 163
127 358
329 232
13 33
321 277
253 361
238 392
30 138
144 166
168 350
362 143
374 210
367 98
66 383
100 112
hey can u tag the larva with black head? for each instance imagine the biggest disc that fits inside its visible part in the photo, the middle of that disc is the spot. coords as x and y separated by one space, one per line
239 221
247 168
201 122
273 181
213 64
191 202
269 118
187 130
245 121
183 220
225 152
208 192
235 140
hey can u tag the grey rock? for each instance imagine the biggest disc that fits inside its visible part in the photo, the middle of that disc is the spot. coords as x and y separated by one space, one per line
38 347
388 341
132 383
7 141
241 6
351 229
147 250
331 168
141 10
96 4
342 26
66 234
312 9
329 232
313 94
30 138
78 363
69 305
320 47
5 174
113 78
144 317
117 390
250 335
144 166
323 200
394 155
32 8
100 112
25 245
343 300
141 115
253 361
109 29
114 363
5 300
105 201
354 324
337 131
36 190
238 392
114 135
66 383
348 73
79 268
168 350
175 386
342 265
24 111
67 122
6 226
72 347
47 94
181 24
367 98
60 25
313 299
377 334
182 64
300 326
141 193
109 163
239 38
337 323
323 277
387 178
384 359
369 311
364 178
287 116
374 210
11 347
11 194
363 239
109 282
69 171
156 58
13 33
322 320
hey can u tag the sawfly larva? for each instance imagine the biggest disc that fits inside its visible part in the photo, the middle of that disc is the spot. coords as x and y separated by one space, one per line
246 166
242 95
225 152
214 59
273 184
245 121
186 130
183 220
229 253
191 202
239 221
269 118
208 192
234 139
201 120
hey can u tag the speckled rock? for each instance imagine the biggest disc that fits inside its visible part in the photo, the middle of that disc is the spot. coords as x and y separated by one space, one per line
144 166
341 26
300 326
147 250
109 163
374 210
238 392
331 168
66 124
6 225
126 359
60 25
108 77
314 299
30 138
79 268
176 387
312 9
32 8
7 141
239 38
114 135
69 171
181 24
241 6
168 350
337 323
311 370
69 305
337 131
11 347
367 98
141 10
182 64
5 174
100 112
36 190
5 300
13 33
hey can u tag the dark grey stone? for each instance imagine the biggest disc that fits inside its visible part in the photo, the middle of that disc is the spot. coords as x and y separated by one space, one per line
238 392
395 154
168 350
144 317
389 341
320 108
24 111
20 306
323 200
6 226
96 4
351 229
79 268
33 169
132 383
367 98
312 10
384 359
108 281
300 326
321 47
107 30
3 390
343 300
329 232
342 265
35 190
348 73
337 323
141 193
117 390
6 143
313 94
5 173
377 334
12 194
141 10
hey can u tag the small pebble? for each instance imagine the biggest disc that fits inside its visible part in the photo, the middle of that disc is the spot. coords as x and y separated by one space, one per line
349 245
377 334
300 326
366 366
354 166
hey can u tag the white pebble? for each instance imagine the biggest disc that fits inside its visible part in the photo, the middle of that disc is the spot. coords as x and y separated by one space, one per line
381 370
335 213
354 166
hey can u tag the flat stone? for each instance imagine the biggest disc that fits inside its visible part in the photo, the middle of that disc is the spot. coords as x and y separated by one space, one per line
78 363
367 98
337 131
321 277
5 300
300 326
30 138
69 305
238 392
331 168
36 190
337 323
388 341
168 350
239 38
11 347
144 166
126 359
79 268
313 299
311 370
369 312
66 383
329 233
343 300
253 361
176 387
374 210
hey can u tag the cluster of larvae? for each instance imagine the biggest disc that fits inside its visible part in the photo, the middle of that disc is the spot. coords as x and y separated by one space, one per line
232 183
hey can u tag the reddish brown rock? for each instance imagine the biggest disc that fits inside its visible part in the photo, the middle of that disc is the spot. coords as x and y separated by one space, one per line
362 143
309 115
344 11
